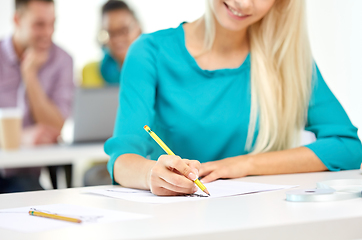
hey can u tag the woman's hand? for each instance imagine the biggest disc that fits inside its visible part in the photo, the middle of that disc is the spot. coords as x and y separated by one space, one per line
172 175
234 167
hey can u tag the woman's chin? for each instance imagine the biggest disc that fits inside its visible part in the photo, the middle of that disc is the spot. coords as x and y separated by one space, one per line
232 26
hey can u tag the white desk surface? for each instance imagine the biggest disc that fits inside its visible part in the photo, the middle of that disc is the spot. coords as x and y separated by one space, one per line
50 155
254 216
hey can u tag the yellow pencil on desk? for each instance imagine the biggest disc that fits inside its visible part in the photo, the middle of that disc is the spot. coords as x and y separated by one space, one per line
54 216
169 152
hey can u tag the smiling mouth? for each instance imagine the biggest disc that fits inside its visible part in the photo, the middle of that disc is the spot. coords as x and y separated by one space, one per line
233 11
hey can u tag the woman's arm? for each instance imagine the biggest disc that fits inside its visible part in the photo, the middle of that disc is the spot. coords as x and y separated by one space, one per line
130 144
132 170
296 160
337 146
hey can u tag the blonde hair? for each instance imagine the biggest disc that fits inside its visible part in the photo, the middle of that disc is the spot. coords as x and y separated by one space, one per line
281 74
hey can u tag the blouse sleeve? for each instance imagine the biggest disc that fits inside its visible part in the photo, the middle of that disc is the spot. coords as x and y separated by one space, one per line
337 145
136 103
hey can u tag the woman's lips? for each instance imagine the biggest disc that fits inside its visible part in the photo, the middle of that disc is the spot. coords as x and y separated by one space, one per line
234 13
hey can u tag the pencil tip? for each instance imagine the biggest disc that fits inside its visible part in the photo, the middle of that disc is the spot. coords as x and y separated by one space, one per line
207 192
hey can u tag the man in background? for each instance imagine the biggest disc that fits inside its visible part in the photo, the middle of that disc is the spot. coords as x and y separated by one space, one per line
36 76
120 27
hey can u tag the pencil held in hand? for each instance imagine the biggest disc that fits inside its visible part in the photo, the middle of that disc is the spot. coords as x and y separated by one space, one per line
169 152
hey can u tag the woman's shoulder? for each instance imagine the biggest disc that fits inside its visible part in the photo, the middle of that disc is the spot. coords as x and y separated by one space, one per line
161 38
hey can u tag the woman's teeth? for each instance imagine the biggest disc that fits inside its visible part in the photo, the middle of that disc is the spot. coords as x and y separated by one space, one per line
236 13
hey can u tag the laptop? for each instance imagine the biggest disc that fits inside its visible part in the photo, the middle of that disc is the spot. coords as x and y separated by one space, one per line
94 114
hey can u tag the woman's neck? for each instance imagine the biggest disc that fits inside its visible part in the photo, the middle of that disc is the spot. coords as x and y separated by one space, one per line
229 48
225 40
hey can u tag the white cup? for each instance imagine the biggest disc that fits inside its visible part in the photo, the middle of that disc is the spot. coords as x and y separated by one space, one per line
10 128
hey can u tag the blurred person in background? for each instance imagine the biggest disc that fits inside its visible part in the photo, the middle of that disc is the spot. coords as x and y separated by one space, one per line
37 76
120 27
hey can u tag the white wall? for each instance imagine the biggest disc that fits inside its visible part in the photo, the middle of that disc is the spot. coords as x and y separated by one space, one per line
335 28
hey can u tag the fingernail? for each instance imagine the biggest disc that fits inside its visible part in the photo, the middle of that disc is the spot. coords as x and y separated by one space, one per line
192 176
196 172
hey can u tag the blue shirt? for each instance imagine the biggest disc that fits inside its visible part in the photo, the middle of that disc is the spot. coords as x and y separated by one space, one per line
204 115
109 68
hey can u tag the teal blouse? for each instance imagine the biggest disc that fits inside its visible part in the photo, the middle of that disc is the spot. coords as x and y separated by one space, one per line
204 115
109 68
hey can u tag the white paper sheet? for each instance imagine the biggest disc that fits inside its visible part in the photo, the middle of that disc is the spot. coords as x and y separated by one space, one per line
217 189
18 219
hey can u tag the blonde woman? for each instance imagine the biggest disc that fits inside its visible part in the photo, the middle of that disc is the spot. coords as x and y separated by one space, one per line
231 90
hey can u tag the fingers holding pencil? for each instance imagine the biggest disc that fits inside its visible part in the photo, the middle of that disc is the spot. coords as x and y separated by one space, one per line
172 175
176 165
185 167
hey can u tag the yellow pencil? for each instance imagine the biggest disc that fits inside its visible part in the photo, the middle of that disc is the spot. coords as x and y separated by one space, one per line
54 216
169 152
